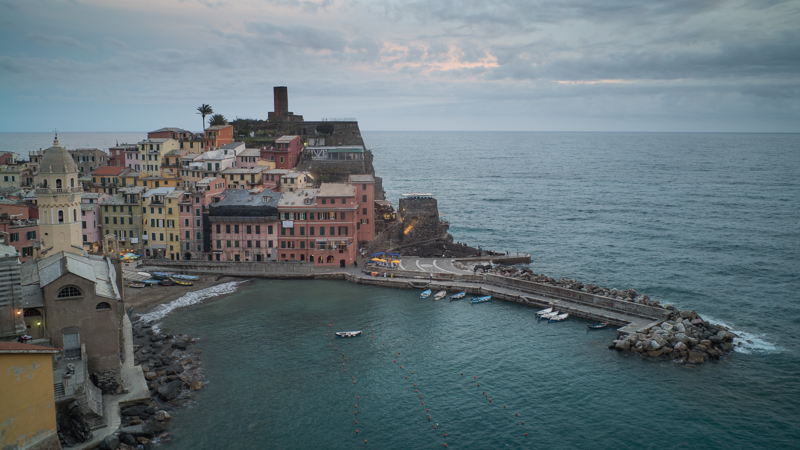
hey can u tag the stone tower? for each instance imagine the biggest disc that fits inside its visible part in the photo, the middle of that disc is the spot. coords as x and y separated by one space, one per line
59 197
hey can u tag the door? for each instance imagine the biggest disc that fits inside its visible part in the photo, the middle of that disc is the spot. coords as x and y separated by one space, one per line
72 346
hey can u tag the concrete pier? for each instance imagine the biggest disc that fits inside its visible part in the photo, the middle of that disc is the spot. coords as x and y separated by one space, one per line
630 317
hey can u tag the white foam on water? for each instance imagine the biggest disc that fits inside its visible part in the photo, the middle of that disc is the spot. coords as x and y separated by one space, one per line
189 299
748 342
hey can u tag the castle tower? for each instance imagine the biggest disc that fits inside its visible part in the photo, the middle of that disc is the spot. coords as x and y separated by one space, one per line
59 197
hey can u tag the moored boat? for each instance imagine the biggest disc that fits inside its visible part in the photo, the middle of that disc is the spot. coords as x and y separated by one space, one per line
544 311
440 295
458 296
597 326
481 299
425 294
548 315
559 317
348 333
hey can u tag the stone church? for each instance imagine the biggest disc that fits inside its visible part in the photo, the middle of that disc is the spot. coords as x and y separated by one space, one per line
71 299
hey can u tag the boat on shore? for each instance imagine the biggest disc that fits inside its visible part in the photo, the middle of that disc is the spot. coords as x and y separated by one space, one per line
458 296
544 311
144 274
135 284
162 275
559 317
166 282
547 316
181 282
150 281
440 295
597 326
185 277
482 299
425 294
348 333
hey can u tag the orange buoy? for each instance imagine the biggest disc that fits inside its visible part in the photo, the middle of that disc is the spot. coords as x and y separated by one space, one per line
356 431
401 367
420 396
329 324
356 406
336 348
483 392
526 434
434 427
429 417
479 384
445 445
415 389
423 403
352 378
356 412
516 414
426 409
354 382
523 422
504 406
356 421
445 435
490 400
345 370
358 397
475 377
415 384
395 360
406 377
330 344
412 373
365 441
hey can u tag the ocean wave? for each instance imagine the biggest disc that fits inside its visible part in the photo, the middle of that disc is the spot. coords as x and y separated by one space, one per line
188 299
748 342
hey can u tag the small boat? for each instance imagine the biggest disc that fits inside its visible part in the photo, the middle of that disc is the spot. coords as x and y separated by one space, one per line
185 277
597 326
425 294
544 311
440 295
458 296
559 317
166 282
481 299
135 284
348 333
182 282
150 282
548 315
162 275
144 274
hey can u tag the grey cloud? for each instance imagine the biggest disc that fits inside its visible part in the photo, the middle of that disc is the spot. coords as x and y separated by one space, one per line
56 41
112 43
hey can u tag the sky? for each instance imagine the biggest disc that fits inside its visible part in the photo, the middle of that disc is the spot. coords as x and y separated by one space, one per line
460 65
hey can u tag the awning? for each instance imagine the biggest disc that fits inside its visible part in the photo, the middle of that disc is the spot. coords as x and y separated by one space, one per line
346 150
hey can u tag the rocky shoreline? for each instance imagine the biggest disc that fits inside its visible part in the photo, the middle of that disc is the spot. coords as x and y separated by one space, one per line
171 368
684 337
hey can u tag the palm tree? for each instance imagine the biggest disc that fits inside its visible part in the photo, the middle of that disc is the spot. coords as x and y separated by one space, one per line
204 110
217 119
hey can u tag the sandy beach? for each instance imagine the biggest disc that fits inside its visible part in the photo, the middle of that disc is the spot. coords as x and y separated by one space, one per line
143 300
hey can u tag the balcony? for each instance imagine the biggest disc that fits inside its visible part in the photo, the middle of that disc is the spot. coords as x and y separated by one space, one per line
69 190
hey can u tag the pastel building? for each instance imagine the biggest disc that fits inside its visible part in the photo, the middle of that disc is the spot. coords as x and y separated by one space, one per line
243 225
285 153
124 155
365 214
243 178
151 152
192 207
218 135
91 220
248 158
319 225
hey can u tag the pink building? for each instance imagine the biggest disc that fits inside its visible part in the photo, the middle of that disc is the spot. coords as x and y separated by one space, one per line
192 205
248 159
365 215
243 225
124 155
91 223
19 220
319 225
286 152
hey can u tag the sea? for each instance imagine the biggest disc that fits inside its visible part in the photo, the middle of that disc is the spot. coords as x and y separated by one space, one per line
702 221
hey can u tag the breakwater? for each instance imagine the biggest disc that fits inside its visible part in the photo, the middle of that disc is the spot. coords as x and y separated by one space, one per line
640 321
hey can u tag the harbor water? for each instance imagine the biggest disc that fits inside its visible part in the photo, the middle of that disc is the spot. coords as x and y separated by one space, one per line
709 222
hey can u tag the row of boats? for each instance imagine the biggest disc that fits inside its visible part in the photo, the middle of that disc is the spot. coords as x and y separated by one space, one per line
550 315
442 294
163 279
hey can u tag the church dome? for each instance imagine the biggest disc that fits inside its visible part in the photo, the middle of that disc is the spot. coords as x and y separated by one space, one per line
57 159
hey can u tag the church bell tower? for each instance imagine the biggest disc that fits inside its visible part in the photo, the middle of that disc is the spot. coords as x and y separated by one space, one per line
59 197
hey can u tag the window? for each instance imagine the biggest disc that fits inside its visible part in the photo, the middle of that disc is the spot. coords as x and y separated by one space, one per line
69 292
364 199
60 216
283 244
258 244
364 187
236 229
228 244
32 234
218 228
258 229
219 244
269 229
342 231
13 237
302 231
269 244
322 231
249 229
249 244
102 306
311 231
364 211
227 229
343 201
323 201
333 229
302 244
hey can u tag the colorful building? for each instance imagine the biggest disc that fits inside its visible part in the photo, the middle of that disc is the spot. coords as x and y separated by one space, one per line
218 135
192 206
365 215
179 134
243 178
20 221
27 397
89 159
91 220
243 225
151 152
122 215
285 153
248 158
124 155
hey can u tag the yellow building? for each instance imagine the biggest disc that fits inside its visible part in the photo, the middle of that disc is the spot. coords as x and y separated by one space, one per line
157 182
160 222
27 402
122 216
151 153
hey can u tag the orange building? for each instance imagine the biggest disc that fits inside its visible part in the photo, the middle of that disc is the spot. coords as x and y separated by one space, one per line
218 135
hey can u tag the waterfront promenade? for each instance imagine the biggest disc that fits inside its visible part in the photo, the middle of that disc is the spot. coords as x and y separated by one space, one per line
438 274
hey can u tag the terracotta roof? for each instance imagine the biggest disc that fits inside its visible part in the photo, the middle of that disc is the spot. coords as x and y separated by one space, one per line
109 170
16 347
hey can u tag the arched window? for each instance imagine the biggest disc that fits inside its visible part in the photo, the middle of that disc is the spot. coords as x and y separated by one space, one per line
58 183
102 306
74 215
44 183
72 182
69 292
60 216
31 312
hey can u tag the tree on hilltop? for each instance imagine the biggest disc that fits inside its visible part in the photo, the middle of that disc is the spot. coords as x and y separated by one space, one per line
217 119
204 110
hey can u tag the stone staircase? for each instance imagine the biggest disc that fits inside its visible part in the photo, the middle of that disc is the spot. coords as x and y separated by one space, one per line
58 390
93 420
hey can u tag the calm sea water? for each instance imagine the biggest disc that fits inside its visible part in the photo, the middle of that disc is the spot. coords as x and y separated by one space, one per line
704 221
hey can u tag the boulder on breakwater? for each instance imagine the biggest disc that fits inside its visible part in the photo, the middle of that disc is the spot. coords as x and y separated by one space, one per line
683 338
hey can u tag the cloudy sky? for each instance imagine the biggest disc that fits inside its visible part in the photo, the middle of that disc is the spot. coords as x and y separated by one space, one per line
583 65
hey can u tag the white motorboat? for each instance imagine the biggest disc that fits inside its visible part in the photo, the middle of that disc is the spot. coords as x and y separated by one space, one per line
440 295
544 311
348 333
559 317
549 315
